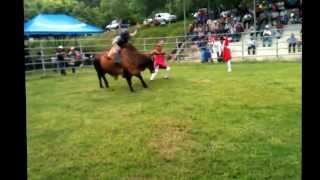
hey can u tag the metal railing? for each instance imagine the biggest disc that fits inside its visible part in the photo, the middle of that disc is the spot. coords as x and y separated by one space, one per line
43 57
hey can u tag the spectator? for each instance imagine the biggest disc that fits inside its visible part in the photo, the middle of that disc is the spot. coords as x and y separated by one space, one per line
247 19
227 28
299 43
60 58
203 46
292 43
280 5
190 29
79 58
211 26
293 18
72 56
239 30
195 34
252 31
216 48
221 25
267 36
263 19
252 45
215 26
202 17
233 33
274 7
284 17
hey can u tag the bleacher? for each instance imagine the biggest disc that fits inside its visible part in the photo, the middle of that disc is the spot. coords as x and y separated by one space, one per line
238 50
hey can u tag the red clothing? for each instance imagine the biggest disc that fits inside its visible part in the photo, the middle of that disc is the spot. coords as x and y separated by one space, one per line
213 38
158 56
159 60
226 51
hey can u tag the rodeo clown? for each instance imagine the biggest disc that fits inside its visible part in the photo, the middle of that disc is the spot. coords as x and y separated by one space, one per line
226 53
159 60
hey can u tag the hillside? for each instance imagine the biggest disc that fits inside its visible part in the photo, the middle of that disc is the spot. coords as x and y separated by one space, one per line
148 35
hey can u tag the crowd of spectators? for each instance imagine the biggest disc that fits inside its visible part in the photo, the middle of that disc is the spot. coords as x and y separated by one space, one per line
205 31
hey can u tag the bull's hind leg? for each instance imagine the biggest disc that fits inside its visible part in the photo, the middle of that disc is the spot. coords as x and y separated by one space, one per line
105 81
142 81
97 67
99 78
130 83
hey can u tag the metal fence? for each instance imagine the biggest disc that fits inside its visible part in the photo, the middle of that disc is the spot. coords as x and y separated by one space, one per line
41 53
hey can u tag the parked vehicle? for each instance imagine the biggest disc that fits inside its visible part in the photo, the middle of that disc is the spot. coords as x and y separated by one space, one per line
115 24
148 21
166 17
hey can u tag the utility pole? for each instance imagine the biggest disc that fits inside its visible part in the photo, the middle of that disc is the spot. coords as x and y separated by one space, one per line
184 17
254 15
208 10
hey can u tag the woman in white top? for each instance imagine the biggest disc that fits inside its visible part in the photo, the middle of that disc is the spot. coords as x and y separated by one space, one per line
216 47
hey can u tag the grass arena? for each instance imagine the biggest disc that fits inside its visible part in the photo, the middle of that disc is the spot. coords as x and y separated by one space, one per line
201 123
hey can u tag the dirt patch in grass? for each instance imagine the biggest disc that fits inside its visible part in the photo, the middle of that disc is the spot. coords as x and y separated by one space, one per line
171 137
201 81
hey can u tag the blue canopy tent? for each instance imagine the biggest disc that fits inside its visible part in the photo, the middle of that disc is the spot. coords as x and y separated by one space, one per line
57 25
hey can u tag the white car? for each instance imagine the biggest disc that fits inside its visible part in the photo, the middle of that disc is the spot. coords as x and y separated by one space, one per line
167 17
115 25
147 21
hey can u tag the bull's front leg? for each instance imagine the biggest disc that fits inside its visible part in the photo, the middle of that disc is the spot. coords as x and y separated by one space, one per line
142 81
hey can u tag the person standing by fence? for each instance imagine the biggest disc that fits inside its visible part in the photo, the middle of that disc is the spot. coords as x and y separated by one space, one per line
252 45
267 36
72 56
226 53
215 47
61 60
299 42
205 54
292 43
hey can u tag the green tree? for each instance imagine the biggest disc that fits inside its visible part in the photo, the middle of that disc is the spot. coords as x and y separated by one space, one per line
101 12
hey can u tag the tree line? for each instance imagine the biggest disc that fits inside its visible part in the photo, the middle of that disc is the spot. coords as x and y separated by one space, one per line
101 12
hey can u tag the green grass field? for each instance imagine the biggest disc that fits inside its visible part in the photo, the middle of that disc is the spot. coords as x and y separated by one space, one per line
202 123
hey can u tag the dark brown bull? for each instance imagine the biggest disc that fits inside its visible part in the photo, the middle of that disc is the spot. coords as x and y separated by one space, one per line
132 63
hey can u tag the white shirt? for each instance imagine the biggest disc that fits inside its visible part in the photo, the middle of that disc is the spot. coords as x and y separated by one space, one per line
267 32
251 42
